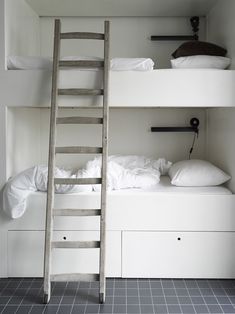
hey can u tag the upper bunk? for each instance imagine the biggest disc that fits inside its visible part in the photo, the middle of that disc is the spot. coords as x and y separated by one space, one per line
28 31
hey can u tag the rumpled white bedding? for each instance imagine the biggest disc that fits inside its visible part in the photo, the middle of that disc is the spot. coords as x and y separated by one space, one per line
42 63
123 172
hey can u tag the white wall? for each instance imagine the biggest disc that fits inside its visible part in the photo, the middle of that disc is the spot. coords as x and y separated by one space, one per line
221 126
21 29
129 134
220 26
130 37
221 133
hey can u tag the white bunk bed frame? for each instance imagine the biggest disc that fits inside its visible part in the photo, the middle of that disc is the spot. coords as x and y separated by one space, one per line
163 240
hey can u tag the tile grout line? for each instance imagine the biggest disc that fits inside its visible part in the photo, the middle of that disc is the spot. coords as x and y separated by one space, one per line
151 296
61 297
113 295
138 290
216 297
13 295
87 298
202 297
190 298
177 296
74 299
26 293
226 296
164 296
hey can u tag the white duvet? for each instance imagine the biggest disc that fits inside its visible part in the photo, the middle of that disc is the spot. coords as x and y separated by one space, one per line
123 172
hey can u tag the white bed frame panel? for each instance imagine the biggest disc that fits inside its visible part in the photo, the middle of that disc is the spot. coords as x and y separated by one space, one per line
143 231
127 89
135 211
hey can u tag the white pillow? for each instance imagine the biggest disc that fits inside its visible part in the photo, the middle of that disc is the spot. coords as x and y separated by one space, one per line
39 63
201 62
196 173
132 64
28 63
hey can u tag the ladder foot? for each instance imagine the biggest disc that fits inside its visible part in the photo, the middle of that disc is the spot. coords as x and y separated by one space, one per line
102 298
46 298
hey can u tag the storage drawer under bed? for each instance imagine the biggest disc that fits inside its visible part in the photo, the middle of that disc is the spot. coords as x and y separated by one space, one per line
178 254
26 251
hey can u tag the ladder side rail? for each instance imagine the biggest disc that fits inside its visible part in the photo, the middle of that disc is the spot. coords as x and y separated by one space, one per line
51 164
104 161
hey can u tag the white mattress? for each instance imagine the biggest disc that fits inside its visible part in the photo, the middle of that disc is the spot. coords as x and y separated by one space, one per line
42 63
165 186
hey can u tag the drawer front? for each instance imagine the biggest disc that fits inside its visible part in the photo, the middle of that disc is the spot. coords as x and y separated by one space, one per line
178 254
26 249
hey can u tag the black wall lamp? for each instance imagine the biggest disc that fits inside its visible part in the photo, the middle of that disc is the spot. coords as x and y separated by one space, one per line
195 21
194 124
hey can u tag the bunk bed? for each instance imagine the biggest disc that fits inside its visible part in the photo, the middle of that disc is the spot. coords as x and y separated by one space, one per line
171 227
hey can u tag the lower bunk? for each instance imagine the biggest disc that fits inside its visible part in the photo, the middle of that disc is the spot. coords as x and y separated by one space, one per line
163 232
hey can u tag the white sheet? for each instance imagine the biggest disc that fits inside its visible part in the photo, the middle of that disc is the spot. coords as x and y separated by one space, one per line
42 63
123 172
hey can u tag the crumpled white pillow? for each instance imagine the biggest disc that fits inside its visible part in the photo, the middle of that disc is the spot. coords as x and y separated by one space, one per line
196 173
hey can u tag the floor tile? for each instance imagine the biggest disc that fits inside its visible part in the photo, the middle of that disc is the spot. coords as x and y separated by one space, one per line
11 309
24 309
187 309
201 309
174 309
161 309
147 309
135 309
228 308
64 309
79 309
127 296
214 309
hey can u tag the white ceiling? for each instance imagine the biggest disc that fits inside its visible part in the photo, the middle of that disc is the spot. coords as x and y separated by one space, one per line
121 7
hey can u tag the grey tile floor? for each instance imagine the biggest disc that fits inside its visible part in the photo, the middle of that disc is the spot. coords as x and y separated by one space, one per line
24 295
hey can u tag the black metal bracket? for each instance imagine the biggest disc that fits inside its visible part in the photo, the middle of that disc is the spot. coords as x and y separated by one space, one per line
194 124
194 20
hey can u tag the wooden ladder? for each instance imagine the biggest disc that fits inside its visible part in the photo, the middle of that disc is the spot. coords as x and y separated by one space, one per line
53 150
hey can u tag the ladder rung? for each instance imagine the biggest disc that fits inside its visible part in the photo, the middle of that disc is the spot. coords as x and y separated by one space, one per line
82 63
77 181
75 277
76 212
82 35
75 244
79 120
78 150
80 92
